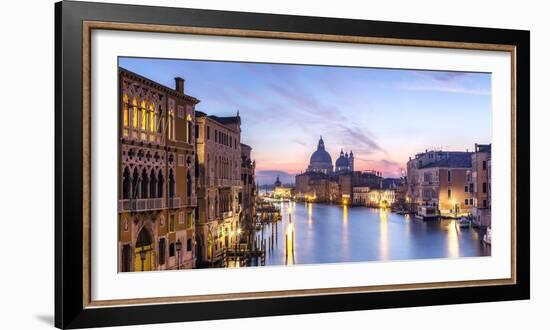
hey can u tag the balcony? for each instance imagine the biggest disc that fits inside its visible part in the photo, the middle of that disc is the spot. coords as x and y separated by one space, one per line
191 201
174 202
146 204
228 182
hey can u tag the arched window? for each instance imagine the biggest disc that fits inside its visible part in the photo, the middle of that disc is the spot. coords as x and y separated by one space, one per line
189 184
144 183
135 181
134 113
152 120
126 183
125 115
171 125
171 183
160 185
143 120
153 185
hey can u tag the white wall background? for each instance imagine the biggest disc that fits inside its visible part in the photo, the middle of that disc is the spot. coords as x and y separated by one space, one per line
27 166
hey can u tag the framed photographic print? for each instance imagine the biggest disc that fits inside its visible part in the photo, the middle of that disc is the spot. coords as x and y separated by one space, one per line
216 164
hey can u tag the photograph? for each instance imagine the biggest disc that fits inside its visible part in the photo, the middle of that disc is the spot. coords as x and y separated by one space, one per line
226 164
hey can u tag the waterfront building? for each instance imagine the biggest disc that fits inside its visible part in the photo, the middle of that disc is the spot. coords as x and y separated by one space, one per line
348 180
317 187
380 197
481 185
156 169
220 187
441 179
248 199
360 196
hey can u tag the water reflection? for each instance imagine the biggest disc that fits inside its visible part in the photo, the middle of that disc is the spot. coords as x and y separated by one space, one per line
318 233
453 249
384 245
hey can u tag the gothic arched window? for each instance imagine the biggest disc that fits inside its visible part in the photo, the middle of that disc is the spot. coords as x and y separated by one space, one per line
144 183
160 185
135 181
134 113
153 185
171 183
126 184
125 115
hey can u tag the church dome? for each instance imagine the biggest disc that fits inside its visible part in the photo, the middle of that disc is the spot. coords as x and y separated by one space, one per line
342 161
320 156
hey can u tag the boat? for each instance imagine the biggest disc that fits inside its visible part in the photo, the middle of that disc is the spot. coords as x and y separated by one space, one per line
487 236
463 222
427 213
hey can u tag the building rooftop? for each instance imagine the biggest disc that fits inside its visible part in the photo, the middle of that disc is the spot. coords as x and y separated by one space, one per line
453 159
221 120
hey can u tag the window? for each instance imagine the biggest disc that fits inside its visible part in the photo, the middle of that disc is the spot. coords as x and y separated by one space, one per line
190 219
465 188
180 218
208 132
171 223
448 176
143 120
189 129
152 119
484 203
196 131
471 187
162 251
484 189
471 201
125 115
144 183
134 113
449 193
465 202
189 244
171 135
171 250
216 135
126 184
484 165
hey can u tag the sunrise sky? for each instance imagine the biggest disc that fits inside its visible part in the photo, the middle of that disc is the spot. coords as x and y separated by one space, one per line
383 115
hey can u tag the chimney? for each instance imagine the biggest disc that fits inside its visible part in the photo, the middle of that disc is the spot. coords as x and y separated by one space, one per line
180 83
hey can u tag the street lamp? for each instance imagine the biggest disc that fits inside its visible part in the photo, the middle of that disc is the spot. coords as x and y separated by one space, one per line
178 248
142 255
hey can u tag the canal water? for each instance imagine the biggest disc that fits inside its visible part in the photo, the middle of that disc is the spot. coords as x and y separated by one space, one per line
324 233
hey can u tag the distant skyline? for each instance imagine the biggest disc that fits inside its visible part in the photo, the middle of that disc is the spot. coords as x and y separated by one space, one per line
383 115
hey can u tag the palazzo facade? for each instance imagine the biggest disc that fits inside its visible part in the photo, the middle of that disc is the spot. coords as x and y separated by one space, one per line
156 206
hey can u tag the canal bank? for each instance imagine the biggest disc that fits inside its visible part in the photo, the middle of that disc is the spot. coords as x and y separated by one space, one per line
329 233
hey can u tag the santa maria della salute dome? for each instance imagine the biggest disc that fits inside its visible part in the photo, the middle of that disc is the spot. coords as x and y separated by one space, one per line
321 162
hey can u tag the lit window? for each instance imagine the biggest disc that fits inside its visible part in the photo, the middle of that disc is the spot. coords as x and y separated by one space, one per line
135 113
143 120
171 125
152 117
143 116
125 110
189 128
125 115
